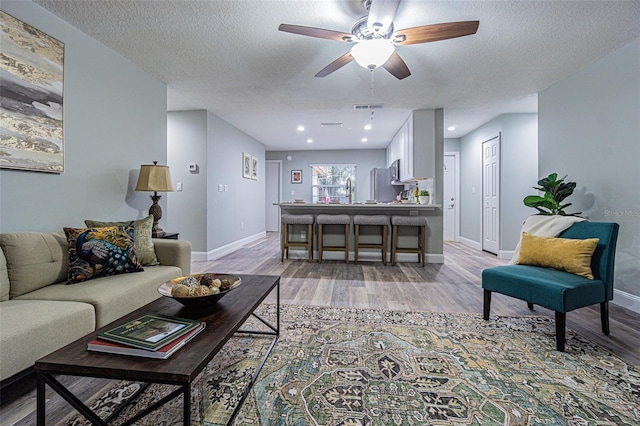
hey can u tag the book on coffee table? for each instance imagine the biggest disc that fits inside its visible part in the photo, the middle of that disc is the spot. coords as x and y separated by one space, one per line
164 352
150 332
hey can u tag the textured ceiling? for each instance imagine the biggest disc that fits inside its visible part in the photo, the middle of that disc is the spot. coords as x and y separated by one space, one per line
227 56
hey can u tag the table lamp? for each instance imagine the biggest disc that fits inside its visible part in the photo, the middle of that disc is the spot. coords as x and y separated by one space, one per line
155 178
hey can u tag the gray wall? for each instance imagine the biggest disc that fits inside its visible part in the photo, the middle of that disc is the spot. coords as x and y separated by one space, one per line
519 173
187 143
114 120
590 130
209 218
452 145
366 159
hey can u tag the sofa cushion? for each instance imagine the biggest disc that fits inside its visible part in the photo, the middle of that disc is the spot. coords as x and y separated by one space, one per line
31 329
112 296
4 278
97 252
564 254
141 237
34 260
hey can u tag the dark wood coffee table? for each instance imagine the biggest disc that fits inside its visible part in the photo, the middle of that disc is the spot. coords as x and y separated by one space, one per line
223 321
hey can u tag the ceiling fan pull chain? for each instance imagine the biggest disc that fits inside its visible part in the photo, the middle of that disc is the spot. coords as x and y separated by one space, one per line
371 104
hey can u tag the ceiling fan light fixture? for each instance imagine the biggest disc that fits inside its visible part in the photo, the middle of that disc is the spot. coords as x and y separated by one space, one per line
372 53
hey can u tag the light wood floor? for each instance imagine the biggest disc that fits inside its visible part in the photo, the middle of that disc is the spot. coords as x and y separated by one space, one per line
454 286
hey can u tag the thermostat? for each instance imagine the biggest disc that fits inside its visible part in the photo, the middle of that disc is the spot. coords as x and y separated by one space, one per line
193 167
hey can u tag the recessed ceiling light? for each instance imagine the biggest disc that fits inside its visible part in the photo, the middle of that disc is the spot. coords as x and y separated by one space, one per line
364 139
451 128
309 140
301 128
367 127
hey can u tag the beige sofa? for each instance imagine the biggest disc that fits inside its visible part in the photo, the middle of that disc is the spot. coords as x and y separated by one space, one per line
39 313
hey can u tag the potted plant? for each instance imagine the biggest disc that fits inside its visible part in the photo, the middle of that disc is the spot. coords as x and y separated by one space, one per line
555 191
423 197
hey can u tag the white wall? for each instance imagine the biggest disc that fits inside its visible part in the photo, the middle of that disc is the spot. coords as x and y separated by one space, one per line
590 130
114 120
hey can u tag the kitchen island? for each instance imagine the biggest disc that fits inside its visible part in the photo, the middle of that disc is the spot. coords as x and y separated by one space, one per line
406 236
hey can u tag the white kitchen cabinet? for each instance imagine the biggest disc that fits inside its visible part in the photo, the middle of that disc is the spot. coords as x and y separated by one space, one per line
415 145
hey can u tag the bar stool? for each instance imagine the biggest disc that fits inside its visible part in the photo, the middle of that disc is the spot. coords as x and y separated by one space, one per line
419 221
295 219
371 220
333 219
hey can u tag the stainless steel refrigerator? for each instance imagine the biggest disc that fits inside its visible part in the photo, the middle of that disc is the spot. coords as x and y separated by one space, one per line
381 188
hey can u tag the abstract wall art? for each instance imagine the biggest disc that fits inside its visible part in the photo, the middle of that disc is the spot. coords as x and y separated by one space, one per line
32 80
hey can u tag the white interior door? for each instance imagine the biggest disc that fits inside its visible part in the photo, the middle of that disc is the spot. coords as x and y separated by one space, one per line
450 197
273 189
491 195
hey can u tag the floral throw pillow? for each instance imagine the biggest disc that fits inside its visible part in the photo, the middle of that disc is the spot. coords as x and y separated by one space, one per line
97 252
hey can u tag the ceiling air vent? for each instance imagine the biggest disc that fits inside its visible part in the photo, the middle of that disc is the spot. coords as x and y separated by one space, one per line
367 106
330 124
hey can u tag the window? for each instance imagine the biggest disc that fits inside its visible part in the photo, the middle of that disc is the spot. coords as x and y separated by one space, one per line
329 182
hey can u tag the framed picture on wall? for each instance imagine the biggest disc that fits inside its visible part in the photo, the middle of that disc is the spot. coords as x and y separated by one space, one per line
246 165
296 176
254 168
31 98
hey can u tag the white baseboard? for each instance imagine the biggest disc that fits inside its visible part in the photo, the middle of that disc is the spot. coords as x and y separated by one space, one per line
506 254
470 243
200 256
626 300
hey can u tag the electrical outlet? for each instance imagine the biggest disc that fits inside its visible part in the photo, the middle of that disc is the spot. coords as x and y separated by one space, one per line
178 186
293 192
226 188
303 235
219 187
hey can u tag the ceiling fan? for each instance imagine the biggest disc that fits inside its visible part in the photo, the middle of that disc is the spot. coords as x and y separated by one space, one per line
374 38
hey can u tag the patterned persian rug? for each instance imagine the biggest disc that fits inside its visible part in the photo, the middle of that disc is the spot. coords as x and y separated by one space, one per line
353 367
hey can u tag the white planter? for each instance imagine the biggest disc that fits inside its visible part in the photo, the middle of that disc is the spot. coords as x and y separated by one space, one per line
424 199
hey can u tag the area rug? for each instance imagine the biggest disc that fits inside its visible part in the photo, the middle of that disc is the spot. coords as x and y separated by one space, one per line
352 367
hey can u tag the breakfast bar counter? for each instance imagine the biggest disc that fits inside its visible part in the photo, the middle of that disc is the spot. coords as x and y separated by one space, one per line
433 213
359 208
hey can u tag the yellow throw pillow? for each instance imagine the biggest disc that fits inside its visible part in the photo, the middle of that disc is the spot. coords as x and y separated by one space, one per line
565 254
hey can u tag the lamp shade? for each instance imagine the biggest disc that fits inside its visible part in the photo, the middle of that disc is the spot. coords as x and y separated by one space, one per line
372 53
155 178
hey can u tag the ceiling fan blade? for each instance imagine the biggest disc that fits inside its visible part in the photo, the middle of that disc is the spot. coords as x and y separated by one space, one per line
316 32
381 14
335 65
397 67
435 32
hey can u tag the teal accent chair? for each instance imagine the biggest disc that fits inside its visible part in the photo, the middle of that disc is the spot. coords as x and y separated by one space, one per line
558 290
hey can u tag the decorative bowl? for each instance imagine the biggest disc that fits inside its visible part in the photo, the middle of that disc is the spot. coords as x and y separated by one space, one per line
165 289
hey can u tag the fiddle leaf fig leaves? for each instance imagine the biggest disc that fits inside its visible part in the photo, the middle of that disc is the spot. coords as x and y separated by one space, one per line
555 191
